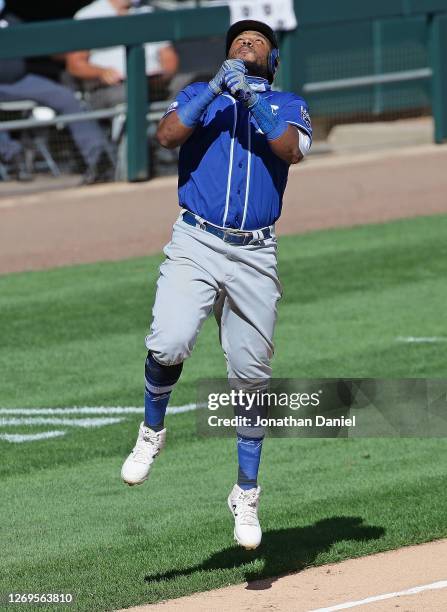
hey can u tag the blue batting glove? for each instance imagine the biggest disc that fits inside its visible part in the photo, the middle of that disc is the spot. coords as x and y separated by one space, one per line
271 124
216 82
236 83
191 112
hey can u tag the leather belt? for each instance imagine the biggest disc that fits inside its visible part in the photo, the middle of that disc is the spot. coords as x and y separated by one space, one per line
231 236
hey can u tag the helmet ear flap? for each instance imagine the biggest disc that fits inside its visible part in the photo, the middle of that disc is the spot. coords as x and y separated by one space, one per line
273 62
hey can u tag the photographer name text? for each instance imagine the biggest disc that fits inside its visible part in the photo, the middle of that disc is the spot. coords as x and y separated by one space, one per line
287 421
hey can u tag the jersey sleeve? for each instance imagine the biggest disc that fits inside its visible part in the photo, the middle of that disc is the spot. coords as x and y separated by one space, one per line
296 112
182 98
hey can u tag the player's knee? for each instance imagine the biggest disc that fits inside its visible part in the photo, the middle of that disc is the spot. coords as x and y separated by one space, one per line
170 352
244 367
160 378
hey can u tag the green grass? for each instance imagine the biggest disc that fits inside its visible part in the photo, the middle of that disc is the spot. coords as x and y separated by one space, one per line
75 336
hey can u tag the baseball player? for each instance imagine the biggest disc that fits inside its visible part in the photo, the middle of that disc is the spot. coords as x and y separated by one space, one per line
238 138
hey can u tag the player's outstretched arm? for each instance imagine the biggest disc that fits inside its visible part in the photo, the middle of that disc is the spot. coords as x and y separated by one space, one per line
176 127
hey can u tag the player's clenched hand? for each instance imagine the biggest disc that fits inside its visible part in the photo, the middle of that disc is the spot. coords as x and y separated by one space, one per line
236 83
235 65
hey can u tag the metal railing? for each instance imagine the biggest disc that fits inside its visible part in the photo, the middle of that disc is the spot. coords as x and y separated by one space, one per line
155 112
367 81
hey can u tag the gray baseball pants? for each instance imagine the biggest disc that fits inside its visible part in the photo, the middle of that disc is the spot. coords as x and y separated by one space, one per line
202 274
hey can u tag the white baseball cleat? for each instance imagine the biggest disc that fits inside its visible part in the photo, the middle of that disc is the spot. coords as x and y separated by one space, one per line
149 443
243 506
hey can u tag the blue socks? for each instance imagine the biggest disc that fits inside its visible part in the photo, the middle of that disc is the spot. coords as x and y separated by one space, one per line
159 382
155 406
249 456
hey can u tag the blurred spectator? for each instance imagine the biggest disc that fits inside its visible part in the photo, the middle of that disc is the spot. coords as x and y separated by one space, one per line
103 71
45 10
16 84
51 67
12 155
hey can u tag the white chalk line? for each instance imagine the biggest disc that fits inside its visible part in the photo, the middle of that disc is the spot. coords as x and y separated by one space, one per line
92 410
36 416
55 421
18 438
442 584
421 339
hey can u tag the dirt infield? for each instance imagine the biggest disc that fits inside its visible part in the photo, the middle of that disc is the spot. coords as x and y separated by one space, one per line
111 222
385 581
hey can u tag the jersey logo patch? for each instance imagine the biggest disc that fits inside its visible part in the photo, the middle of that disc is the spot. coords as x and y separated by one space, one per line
274 108
172 107
306 117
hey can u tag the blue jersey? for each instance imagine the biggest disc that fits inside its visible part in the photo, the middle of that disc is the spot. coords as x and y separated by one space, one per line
228 174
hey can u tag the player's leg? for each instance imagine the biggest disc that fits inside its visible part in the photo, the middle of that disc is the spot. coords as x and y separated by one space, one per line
247 319
184 299
246 352
159 381
186 292
247 322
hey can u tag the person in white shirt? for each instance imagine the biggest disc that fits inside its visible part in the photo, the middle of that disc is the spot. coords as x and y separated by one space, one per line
103 71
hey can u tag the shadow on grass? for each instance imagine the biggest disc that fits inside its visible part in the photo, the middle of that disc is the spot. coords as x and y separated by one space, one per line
282 550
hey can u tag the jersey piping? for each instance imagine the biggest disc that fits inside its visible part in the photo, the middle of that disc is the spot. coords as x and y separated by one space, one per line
230 166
